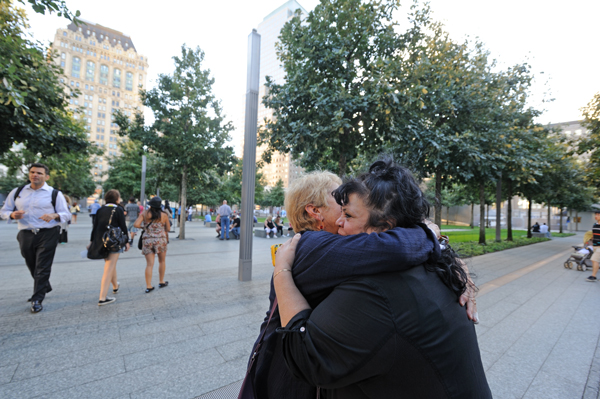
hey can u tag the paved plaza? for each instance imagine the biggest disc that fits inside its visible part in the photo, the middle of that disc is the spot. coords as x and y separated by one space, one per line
539 331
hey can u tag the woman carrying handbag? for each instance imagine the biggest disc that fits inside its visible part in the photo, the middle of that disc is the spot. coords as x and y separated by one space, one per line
109 218
154 240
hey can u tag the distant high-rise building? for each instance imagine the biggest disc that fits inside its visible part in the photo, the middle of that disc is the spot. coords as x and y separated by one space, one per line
104 65
281 166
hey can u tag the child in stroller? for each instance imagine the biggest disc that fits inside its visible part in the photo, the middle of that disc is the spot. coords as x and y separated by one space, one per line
582 258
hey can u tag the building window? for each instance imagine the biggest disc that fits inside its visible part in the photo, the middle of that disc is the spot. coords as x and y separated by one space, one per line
75 67
129 81
90 71
63 56
103 74
116 78
64 33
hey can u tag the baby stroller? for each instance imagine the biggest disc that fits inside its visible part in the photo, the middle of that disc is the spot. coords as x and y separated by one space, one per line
580 258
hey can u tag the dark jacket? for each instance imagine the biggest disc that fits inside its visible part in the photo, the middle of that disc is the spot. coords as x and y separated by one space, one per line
96 250
393 335
324 261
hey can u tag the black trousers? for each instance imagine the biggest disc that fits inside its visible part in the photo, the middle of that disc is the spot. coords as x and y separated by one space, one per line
38 251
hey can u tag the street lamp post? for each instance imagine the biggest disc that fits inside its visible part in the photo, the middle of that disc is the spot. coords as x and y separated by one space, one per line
249 165
143 194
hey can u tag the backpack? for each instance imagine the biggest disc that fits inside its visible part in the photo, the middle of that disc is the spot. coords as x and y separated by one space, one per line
54 196
113 238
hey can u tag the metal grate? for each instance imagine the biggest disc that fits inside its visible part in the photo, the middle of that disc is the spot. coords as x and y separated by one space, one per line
230 391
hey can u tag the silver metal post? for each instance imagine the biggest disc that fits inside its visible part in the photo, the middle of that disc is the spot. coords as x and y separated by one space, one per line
143 194
249 165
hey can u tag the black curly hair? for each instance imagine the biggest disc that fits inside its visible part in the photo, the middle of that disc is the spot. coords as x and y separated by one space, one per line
394 199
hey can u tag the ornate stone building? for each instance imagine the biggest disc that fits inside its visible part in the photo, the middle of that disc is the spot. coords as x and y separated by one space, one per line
104 65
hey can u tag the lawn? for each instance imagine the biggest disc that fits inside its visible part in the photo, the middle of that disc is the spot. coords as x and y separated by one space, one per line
466 242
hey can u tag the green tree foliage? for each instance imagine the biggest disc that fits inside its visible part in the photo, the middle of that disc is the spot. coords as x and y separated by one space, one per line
33 103
189 131
590 144
341 66
69 171
275 196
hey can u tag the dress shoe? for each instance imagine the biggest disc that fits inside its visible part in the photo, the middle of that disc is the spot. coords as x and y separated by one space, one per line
36 306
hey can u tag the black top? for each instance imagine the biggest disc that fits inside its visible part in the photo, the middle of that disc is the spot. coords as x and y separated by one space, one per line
236 222
596 235
535 228
99 227
323 261
270 225
393 335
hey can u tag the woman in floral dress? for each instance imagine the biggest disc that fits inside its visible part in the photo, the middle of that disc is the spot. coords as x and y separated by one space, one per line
156 226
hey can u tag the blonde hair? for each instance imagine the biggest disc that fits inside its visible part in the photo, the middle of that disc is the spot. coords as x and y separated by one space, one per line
311 188
270 217
587 237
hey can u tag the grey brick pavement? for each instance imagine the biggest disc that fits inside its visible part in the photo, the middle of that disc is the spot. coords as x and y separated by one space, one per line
539 329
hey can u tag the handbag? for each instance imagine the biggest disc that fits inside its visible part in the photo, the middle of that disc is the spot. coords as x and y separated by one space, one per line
247 390
63 237
140 241
113 238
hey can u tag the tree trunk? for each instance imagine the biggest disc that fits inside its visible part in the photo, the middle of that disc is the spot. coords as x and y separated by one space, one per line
182 217
481 213
509 236
487 220
529 218
560 230
499 208
472 215
438 199
447 215
549 216
342 166
577 218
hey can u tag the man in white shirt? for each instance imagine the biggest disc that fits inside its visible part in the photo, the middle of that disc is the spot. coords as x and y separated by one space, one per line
39 211
544 230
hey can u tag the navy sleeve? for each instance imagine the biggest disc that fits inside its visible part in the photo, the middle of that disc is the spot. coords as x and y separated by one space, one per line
325 260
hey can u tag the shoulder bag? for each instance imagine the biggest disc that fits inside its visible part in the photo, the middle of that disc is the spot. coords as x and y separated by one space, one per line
113 238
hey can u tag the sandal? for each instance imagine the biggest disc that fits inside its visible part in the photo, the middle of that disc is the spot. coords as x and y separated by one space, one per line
161 285
115 290
149 290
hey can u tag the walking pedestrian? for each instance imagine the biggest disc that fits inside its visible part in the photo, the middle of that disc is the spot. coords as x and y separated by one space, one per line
596 244
132 211
190 213
39 210
93 209
110 214
224 212
156 226
74 211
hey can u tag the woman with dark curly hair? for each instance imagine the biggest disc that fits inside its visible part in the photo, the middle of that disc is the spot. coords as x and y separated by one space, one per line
396 334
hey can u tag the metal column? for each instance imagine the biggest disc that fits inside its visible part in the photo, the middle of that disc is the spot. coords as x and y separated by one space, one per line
249 165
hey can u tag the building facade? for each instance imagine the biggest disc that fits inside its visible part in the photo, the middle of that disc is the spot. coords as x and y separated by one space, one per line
281 166
104 65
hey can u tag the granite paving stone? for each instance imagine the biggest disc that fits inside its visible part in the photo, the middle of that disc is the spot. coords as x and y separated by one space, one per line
539 331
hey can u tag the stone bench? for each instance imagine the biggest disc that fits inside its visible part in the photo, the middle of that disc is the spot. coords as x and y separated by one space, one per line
540 235
262 233
210 224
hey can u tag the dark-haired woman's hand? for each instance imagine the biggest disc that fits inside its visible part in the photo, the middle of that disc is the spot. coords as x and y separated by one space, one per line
286 253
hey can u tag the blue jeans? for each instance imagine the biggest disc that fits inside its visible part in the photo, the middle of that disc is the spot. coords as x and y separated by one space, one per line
224 226
236 232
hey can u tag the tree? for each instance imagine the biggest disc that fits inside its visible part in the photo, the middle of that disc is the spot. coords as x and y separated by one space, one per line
70 172
188 132
33 103
341 65
275 196
590 144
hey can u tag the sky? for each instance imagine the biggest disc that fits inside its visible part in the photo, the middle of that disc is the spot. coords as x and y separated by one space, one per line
554 37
